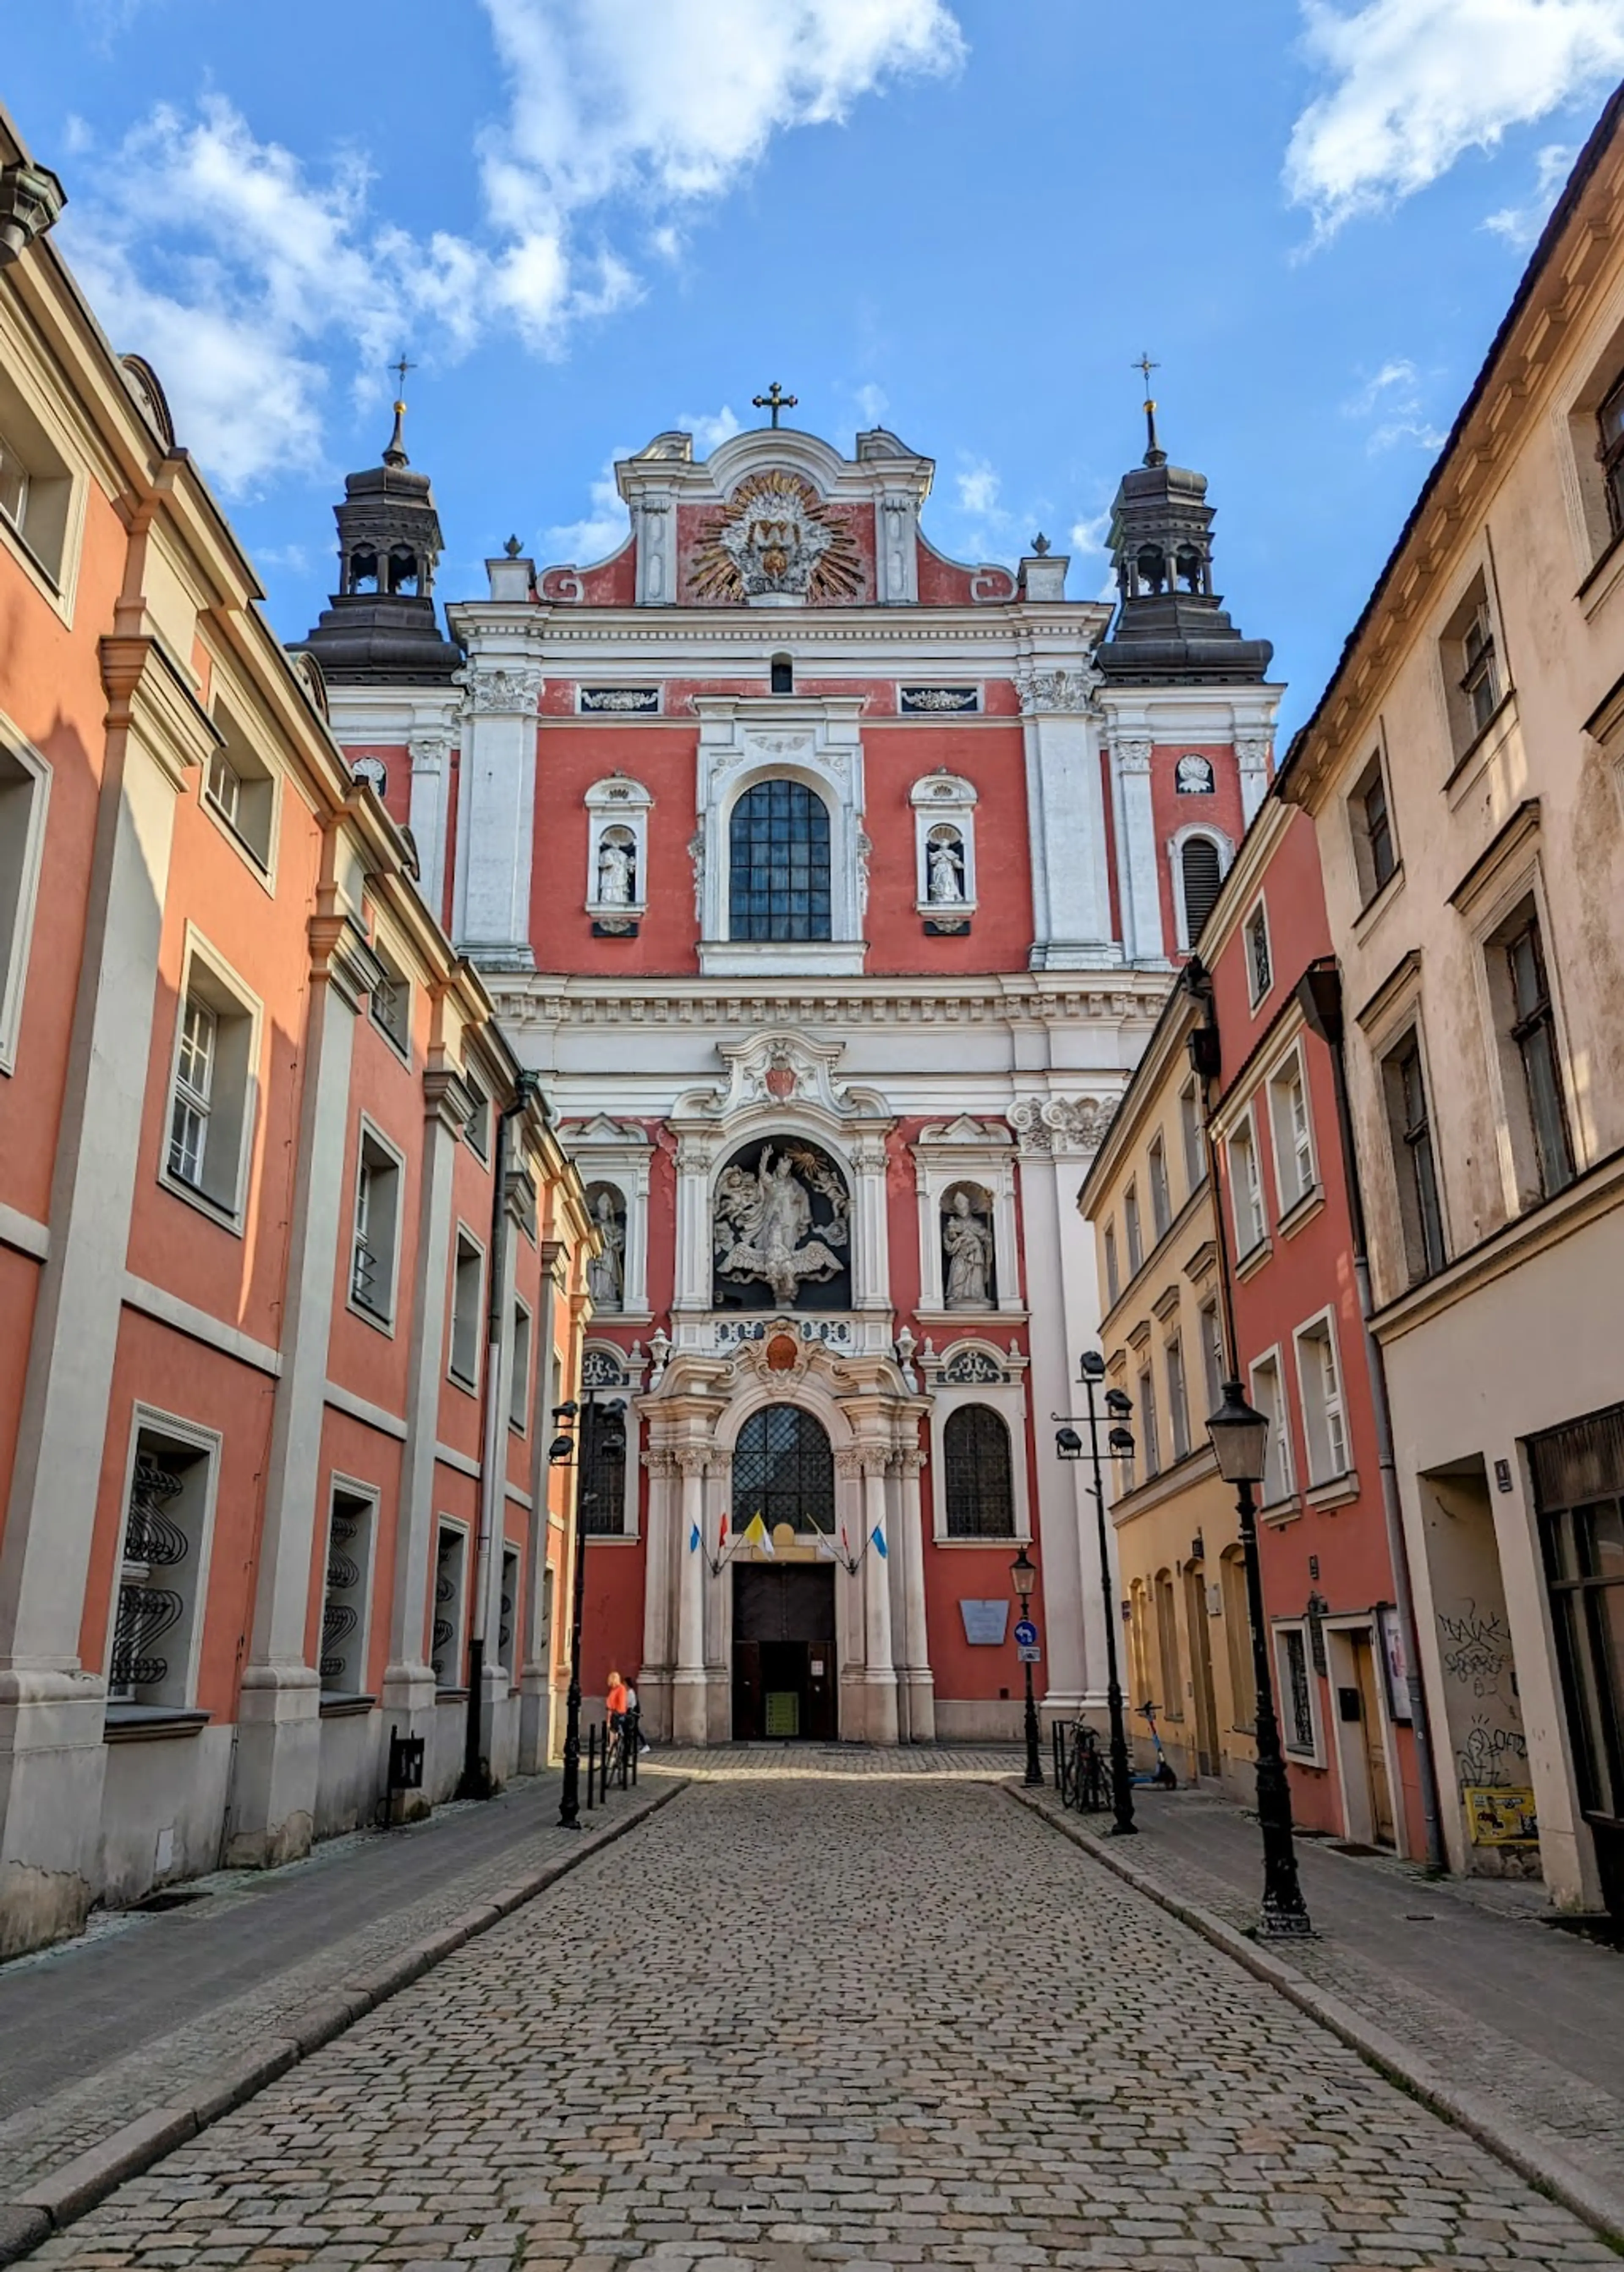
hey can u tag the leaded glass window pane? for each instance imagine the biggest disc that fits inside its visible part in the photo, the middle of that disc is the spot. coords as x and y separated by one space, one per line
784 1471
778 885
980 1494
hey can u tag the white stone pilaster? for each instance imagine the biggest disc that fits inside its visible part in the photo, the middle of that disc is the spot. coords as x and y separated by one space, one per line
51 1708
496 810
1065 804
429 755
880 1666
908 1539
897 528
689 1685
655 519
1138 881
1253 747
695 1156
871 1233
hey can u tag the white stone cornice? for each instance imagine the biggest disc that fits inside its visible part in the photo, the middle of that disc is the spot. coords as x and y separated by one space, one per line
1040 998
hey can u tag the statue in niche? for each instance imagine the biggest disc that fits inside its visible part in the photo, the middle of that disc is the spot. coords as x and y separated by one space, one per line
967 1244
945 863
606 1273
764 1227
616 871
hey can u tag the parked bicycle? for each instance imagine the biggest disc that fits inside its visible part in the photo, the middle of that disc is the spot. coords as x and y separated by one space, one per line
1083 1771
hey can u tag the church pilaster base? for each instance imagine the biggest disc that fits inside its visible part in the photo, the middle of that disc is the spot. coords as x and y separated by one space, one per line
691 1708
919 1699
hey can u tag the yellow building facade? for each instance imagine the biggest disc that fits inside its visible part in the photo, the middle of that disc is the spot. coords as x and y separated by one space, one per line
1182 1585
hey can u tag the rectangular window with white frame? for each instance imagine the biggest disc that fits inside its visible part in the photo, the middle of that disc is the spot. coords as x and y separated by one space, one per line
1178 1399
163 1566
1131 1225
1212 1353
1193 1137
477 1127
1292 1131
1415 1161
1150 1431
451 1589
375 1247
1474 680
467 1306
391 1003
1161 1198
25 792
36 487
1324 1409
1536 1119
1246 1187
350 1527
518 1390
239 788
213 1090
1259 954
1300 1736
1269 1396
1112 1275
1370 825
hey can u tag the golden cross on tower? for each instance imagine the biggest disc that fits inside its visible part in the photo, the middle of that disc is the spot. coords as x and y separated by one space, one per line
774 399
1154 454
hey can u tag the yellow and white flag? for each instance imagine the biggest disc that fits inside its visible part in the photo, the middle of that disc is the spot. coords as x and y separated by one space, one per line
757 1534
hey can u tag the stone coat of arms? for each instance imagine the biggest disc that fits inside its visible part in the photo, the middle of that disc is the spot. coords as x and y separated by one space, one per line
775 536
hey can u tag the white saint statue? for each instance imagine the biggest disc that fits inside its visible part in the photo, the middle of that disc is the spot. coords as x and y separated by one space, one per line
614 874
946 881
764 1227
969 1243
606 1273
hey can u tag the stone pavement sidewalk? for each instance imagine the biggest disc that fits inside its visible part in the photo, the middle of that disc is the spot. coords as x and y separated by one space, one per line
1520 2022
148 2024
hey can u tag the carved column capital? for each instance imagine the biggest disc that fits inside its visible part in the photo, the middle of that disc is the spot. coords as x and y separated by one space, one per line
658 1459
30 201
1132 752
505 689
691 1459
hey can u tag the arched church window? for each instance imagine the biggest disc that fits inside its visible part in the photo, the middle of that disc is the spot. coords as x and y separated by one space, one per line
601 1480
1202 873
784 1471
783 675
777 884
980 1488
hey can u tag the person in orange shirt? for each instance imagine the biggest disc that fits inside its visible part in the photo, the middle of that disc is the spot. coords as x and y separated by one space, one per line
615 1702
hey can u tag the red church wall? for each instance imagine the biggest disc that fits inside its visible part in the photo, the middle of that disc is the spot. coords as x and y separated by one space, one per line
395 760
569 759
993 759
945 583
1222 810
611 583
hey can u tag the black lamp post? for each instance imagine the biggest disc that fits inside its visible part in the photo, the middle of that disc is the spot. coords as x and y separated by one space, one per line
562 1452
1023 1577
1241 1441
1068 1444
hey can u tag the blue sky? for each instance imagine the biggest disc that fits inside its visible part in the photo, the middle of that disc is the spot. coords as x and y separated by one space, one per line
587 220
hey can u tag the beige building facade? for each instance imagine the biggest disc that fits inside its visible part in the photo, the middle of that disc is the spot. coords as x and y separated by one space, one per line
1186 1643
1465 774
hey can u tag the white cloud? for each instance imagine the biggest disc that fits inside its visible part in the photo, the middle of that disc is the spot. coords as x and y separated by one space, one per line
1520 225
872 403
708 428
243 273
1089 534
1417 83
600 531
978 492
1393 399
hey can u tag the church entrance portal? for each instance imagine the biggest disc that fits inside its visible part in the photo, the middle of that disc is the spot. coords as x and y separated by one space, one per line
784 1652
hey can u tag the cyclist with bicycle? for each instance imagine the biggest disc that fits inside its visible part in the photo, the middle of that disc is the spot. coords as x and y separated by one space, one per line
616 1705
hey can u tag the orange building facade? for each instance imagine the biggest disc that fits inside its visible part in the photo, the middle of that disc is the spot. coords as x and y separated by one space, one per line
292 1264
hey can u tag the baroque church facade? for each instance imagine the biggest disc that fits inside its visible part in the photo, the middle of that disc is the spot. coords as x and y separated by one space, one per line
832 887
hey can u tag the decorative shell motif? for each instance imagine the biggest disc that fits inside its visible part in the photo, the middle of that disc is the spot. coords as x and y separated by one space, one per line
774 535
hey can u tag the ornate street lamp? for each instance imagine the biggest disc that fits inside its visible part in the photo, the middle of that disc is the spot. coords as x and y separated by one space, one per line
1241 1441
562 1453
1120 1443
1023 1577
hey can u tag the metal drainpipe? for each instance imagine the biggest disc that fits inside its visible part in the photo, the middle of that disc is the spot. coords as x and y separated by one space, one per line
1319 990
476 1775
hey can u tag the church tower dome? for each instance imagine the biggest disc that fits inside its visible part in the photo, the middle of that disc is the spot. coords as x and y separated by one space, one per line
382 626
1171 628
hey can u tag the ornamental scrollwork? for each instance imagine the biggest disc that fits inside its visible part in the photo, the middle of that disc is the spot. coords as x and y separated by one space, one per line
1055 689
505 689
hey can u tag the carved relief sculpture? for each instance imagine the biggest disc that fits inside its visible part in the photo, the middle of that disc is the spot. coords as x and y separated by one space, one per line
967 1245
606 1273
764 1224
775 536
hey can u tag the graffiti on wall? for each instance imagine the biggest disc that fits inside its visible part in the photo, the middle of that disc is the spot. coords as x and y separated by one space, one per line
1476 1649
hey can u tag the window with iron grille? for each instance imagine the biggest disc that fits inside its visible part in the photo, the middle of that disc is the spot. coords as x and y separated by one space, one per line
506 1629
159 1559
601 1483
343 1661
980 1488
783 1470
450 1577
1296 1730
778 880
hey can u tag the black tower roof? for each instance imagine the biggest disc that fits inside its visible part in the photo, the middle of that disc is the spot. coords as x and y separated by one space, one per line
1171 628
382 626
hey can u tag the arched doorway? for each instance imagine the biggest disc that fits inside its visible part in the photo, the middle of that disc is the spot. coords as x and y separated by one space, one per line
784 1673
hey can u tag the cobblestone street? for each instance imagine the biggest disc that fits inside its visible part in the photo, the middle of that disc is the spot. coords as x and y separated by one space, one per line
853 2021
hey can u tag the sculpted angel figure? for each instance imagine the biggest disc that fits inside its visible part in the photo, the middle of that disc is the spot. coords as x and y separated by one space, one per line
968 1241
764 1227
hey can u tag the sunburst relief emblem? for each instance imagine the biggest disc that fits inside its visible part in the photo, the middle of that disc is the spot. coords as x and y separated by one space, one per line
775 534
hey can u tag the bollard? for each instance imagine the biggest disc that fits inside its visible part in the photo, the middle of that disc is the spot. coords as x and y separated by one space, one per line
592 1764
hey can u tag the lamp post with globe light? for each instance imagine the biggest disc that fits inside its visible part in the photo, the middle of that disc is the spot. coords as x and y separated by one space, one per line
1023 1577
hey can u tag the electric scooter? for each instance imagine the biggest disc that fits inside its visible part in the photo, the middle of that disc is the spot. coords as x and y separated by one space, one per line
1161 1776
